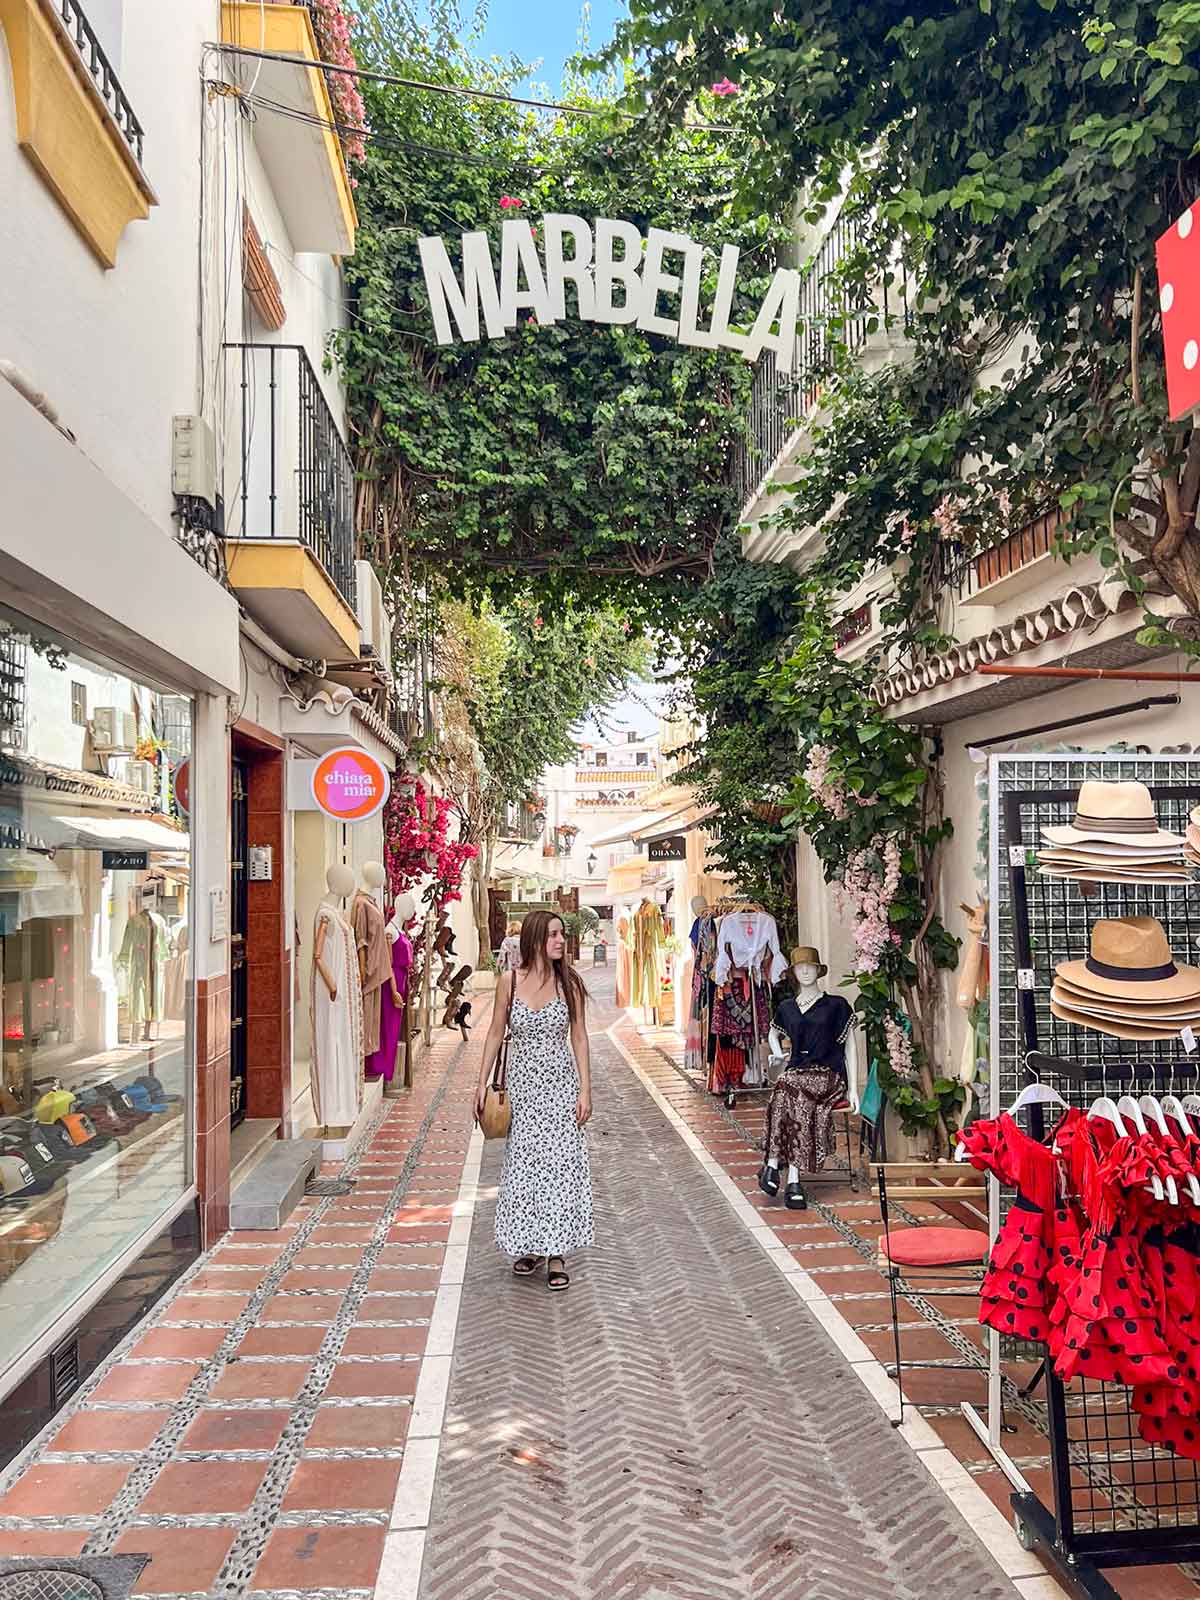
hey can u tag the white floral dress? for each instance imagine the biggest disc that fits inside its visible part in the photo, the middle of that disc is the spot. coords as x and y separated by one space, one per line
545 1202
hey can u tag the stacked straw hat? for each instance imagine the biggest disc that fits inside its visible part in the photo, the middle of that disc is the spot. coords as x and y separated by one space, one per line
1191 846
1114 837
1130 986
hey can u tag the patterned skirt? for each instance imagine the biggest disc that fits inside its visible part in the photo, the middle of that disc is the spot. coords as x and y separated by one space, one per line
735 1018
800 1117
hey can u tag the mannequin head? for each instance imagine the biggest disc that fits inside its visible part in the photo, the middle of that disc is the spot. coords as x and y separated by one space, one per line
339 880
406 908
699 905
373 875
807 967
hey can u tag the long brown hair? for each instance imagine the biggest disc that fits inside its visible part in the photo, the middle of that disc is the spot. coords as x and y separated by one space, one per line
535 930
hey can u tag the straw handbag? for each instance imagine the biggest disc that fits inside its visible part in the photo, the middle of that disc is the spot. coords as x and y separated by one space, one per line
496 1117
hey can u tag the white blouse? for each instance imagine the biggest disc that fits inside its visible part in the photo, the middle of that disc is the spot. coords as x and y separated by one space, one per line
744 939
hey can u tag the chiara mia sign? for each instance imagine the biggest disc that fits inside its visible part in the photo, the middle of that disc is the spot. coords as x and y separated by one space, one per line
616 275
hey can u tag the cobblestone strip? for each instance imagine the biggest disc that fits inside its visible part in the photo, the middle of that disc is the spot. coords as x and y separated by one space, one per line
676 1427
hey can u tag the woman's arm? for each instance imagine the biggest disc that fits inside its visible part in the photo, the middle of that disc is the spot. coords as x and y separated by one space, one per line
495 1037
583 1060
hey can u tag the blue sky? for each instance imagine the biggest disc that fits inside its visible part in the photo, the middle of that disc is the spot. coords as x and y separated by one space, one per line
548 29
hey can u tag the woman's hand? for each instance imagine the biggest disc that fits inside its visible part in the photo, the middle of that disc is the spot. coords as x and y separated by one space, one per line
480 1097
583 1108
397 998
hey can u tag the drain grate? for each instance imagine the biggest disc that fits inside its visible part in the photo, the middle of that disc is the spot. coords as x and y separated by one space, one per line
323 1188
49 1583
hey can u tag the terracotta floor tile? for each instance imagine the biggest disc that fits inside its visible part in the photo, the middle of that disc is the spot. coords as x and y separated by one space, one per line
325 1485
131 1381
109 1430
302 1308
419 1233
418 1213
373 1378
184 1486
412 1255
353 1235
327 1279
237 1254
385 1341
398 1308
182 1559
321 1558
358 1427
40 1542
231 1282
236 1430
206 1308
77 1489
329 1255
261 1380
196 1343
305 1341
280 1236
393 1277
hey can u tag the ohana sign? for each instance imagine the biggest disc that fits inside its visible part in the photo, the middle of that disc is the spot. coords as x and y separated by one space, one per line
616 276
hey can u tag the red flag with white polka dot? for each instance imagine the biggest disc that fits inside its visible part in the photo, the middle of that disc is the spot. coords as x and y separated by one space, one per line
1179 295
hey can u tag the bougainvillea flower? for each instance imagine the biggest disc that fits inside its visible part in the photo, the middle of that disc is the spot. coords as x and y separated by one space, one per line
509 202
725 88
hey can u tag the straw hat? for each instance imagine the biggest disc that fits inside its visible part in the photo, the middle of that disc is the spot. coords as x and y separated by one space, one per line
806 955
1116 1029
1116 813
1085 1000
1131 961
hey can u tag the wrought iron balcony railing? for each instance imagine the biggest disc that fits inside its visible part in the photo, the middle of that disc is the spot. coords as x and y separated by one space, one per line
98 68
832 318
521 826
294 477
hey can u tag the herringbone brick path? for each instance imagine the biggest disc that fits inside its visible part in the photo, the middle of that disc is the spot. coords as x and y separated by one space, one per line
677 1425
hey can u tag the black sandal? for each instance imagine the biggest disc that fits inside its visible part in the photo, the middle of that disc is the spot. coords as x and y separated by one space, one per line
526 1266
557 1279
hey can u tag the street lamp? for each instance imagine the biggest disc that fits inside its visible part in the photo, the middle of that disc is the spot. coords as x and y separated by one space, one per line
591 862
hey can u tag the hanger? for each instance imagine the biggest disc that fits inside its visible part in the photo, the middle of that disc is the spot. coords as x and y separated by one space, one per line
1127 1106
1151 1108
1172 1108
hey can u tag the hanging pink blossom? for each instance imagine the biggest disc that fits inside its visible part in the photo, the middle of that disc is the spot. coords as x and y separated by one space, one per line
827 790
332 28
869 885
899 1049
725 88
509 202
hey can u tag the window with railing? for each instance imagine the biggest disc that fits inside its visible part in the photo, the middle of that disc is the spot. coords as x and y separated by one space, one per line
13 654
294 479
833 316
968 572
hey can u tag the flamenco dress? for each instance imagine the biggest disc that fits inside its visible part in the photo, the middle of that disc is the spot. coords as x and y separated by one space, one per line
1013 1296
1168 1410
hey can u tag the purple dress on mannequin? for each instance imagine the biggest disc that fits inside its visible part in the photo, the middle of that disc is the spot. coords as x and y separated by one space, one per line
382 1064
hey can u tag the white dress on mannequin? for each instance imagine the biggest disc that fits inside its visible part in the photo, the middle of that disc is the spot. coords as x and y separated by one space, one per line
336 1023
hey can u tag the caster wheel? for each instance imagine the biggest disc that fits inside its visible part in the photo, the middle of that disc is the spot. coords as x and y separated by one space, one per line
730 1100
1024 1537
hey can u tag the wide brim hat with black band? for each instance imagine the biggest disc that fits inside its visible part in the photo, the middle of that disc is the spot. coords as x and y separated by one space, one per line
806 955
1131 960
1113 813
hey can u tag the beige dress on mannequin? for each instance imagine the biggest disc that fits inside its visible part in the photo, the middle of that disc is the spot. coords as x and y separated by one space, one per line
336 1023
624 958
370 937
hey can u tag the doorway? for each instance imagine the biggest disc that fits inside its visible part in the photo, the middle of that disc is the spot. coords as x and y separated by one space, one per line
239 844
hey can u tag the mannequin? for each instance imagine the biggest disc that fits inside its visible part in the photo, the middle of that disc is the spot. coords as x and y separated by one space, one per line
690 988
374 954
822 1072
649 935
143 954
624 956
336 1002
393 993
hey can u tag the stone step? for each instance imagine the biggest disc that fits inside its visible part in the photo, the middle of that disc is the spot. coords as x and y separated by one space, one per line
267 1196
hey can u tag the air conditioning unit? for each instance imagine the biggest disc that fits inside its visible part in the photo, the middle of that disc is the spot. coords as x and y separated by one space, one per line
141 775
193 459
374 627
114 731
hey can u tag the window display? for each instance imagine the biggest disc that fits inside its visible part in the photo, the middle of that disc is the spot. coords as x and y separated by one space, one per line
95 985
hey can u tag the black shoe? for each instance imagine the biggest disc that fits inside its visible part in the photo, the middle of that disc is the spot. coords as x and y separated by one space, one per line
795 1198
730 1099
768 1180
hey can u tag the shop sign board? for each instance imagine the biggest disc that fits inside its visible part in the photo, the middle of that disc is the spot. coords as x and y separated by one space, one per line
125 860
617 277
1178 252
671 849
349 784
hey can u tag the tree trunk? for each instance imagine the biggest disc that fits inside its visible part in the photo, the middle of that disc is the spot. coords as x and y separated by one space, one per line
480 878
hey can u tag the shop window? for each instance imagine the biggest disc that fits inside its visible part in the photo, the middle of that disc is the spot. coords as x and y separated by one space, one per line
601 758
643 758
95 981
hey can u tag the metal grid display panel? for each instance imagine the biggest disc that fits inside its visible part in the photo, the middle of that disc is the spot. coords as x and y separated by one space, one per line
1117 1498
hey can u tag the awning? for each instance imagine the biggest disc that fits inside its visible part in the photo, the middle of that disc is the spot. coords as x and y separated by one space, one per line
121 833
642 826
628 877
697 821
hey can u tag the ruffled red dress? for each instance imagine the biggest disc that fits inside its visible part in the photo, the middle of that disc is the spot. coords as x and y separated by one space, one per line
1013 1296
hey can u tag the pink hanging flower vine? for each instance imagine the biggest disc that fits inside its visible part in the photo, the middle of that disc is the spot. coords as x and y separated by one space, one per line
332 28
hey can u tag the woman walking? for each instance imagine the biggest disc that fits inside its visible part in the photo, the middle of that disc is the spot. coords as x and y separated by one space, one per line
544 1209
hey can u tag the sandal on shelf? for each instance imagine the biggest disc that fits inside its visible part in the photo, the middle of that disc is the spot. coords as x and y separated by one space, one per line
556 1277
526 1266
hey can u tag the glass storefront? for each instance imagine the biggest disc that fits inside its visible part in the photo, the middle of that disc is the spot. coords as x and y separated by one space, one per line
95 971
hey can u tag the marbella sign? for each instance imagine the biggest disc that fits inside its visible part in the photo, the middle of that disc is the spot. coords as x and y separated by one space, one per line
617 277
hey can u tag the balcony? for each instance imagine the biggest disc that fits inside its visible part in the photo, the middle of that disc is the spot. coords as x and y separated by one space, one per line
74 121
522 826
294 122
868 323
1014 566
290 510
614 777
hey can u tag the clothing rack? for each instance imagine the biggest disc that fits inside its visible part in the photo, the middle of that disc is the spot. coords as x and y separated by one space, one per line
1115 1499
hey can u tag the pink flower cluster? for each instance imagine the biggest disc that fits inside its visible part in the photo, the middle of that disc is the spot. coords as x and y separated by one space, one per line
946 518
332 27
899 1049
869 885
416 826
509 202
826 790
725 88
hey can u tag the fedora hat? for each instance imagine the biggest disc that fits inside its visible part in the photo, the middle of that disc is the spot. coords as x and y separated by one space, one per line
1116 813
1131 960
807 955
1174 1012
1114 1027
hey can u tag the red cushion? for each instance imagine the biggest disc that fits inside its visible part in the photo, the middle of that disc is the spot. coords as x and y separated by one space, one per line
842 1105
934 1247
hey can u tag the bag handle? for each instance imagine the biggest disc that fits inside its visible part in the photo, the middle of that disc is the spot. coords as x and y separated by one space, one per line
500 1067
